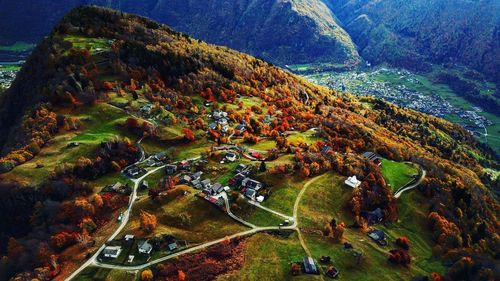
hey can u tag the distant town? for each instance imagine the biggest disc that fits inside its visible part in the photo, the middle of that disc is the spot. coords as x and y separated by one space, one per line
8 74
403 93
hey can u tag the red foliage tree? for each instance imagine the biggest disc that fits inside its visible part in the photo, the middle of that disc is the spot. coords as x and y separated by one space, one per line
188 135
403 242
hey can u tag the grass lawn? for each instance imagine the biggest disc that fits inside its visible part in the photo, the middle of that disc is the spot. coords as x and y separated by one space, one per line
53 154
190 150
326 199
101 122
303 137
255 215
187 217
263 145
397 174
104 274
268 258
93 44
285 190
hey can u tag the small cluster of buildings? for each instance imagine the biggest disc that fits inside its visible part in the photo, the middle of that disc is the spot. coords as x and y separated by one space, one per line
248 186
145 247
118 187
134 171
220 118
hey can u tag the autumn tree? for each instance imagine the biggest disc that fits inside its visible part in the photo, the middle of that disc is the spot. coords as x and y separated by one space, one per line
188 135
181 276
295 269
148 222
403 242
399 257
147 275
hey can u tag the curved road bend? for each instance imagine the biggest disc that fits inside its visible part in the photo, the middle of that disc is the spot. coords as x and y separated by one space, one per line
400 191
124 222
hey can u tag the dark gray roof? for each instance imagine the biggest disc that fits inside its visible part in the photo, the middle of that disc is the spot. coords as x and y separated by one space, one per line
310 266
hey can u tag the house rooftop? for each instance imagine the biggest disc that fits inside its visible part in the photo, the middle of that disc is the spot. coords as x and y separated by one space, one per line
352 182
377 235
144 247
310 266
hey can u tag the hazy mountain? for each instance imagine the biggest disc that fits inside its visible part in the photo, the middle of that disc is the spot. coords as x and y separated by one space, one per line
411 33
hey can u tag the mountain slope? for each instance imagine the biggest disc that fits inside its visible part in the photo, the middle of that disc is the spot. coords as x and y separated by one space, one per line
104 77
411 33
284 32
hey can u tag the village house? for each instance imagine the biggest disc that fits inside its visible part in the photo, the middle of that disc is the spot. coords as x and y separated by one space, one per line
373 157
240 128
196 184
252 184
374 216
240 168
172 246
117 186
230 157
73 144
146 109
170 169
144 247
185 165
352 182
325 150
206 183
310 266
184 179
213 189
250 194
237 179
112 252
133 171
144 185
378 236
129 237
160 156
197 175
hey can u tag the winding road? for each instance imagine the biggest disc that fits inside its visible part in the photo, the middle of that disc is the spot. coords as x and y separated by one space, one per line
406 188
124 221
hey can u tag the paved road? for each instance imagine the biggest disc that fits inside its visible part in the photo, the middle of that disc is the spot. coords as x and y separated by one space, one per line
256 204
296 211
401 190
228 210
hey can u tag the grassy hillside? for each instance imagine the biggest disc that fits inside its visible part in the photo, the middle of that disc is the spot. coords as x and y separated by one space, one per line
104 80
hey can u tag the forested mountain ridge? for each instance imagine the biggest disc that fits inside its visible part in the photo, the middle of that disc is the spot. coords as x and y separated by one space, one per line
413 33
99 65
284 32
